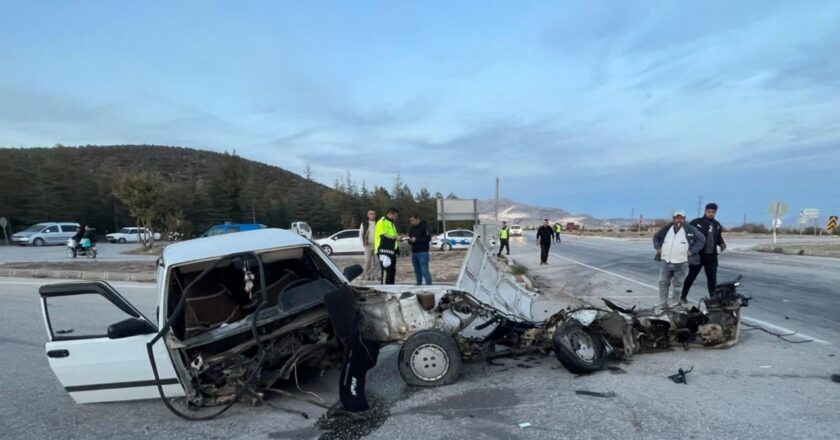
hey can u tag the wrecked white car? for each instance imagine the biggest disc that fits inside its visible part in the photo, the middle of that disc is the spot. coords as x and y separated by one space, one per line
238 313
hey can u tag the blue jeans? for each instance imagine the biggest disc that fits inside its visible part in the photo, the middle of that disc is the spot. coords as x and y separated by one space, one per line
420 261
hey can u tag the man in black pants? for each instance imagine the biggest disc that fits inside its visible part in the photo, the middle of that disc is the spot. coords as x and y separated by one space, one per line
545 235
712 229
504 239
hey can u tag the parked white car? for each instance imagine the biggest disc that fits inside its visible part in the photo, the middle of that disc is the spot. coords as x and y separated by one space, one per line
516 230
344 242
130 235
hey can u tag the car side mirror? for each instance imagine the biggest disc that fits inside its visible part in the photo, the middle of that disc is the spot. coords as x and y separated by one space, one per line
352 272
333 238
130 327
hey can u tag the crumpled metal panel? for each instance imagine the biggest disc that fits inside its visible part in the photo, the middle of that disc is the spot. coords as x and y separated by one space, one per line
481 276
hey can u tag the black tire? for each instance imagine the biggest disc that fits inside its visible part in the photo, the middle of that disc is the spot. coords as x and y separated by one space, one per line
327 249
38 242
121 241
445 246
579 348
430 358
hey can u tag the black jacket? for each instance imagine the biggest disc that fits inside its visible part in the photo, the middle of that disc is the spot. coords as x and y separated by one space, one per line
422 236
704 225
545 234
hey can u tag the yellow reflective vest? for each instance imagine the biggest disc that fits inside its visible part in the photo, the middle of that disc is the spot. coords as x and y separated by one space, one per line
387 228
503 233
558 228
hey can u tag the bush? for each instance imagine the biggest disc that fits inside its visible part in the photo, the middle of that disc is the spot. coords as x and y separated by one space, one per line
519 269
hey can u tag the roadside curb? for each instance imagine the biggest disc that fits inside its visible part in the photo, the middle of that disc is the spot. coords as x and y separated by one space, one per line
528 283
142 277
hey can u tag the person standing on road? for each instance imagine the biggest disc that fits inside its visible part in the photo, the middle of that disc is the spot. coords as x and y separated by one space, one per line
386 245
558 228
419 236
545 235
712 230
676 245
366 234
504 239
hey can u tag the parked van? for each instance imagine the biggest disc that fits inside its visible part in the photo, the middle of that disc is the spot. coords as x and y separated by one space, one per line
302 229
46 233
229 228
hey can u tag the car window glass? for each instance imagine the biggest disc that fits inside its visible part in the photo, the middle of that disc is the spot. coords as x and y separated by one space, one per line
467 234
233 229
217 230
80 316
348 234
124 231
68 228
53 228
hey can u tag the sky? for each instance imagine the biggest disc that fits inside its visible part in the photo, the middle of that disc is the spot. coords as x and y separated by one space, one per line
604 108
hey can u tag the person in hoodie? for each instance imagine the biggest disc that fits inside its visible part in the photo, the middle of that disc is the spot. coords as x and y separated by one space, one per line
77 238
677 245
419 236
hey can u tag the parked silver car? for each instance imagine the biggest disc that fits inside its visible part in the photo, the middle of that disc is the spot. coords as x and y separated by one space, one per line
45 234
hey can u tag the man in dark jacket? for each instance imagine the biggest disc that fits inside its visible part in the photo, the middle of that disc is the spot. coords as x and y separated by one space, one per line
712 230
419 236
545 235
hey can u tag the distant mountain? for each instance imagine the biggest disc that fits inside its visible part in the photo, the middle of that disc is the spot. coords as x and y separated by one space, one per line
531 215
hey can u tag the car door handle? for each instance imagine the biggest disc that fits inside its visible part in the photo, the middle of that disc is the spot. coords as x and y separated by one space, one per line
58 353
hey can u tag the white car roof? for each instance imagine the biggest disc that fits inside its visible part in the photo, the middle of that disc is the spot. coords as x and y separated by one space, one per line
258 240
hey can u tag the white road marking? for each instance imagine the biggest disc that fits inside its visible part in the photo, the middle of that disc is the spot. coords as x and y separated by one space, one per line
656 288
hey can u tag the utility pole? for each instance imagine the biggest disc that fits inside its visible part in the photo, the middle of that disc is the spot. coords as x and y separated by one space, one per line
496 206
632 213
744 225
699 206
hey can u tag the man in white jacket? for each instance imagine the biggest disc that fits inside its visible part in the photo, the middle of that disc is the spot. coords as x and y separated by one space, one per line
676 245
367 236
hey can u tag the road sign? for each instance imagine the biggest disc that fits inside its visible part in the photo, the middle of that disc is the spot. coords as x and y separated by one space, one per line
777 210
832 223
811 213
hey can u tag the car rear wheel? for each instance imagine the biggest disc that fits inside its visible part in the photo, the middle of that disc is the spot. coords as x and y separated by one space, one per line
121 241
327 249
38 242
430 358
445 247
579 348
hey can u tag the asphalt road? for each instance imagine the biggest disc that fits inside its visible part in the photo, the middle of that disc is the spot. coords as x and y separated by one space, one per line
761 388
106 252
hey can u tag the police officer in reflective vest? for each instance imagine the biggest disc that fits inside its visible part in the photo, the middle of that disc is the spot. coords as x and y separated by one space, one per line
386 245
558 228
504 235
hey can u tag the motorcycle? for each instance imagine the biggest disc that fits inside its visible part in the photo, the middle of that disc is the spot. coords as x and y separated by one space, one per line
85 248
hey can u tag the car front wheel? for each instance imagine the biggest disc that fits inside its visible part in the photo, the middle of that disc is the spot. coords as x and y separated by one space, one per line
121 241
579 348
446 247
38 242
430 358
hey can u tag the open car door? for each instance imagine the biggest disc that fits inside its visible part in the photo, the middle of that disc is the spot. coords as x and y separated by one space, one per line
97 345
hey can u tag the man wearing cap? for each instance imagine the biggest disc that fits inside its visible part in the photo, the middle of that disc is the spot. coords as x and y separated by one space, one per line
712 229
677 245
545 235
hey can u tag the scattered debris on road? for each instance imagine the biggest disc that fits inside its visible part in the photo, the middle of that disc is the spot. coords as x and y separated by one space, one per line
680 377
594 393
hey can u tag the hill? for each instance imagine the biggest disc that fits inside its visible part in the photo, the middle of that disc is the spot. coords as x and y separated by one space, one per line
200 188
